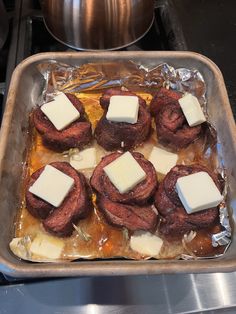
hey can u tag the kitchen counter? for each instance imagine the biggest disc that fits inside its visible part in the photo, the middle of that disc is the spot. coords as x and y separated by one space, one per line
164 294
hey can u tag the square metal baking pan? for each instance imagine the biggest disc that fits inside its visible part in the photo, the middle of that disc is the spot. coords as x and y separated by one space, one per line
25 88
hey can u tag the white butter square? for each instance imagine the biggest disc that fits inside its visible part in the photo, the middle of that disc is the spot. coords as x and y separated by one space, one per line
52 186
60 111
145 243
197 192
123 109
162 160
192 110
47 246
84 159
125 172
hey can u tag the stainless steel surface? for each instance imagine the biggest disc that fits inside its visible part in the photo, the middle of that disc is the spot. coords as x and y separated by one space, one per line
3 24
163 294
103 24
25 88
30 36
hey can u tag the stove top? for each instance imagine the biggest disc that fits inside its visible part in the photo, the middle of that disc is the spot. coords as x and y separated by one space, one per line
28 35
204 26
163 35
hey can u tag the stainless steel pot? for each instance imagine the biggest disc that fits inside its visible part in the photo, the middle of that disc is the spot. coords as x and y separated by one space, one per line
98 24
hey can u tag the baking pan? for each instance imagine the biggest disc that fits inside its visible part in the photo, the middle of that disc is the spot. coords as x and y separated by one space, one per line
26 86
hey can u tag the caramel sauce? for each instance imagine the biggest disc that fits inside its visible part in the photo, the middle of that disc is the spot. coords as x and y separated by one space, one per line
100 239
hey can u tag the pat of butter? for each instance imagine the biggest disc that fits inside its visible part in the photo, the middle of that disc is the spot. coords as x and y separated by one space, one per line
125 172
123 109
146 243
84 159
20 247
198 191
47 246
162 160
52 186
192 110
60 111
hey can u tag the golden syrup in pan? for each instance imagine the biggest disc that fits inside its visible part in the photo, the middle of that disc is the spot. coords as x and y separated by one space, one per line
96 238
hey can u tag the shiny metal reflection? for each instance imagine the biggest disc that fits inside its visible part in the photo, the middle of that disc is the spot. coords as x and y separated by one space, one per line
168 294
98 25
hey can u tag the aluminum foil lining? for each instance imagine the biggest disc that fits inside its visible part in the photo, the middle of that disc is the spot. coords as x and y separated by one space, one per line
98 76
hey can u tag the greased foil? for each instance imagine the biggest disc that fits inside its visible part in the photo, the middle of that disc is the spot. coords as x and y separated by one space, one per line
95 77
